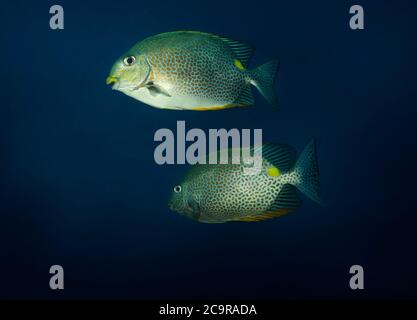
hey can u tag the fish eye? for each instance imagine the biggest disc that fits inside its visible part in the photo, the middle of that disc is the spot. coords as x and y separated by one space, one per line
177 189
128 61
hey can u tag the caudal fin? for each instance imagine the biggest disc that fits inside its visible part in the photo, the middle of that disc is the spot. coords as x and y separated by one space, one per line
307 169
263 79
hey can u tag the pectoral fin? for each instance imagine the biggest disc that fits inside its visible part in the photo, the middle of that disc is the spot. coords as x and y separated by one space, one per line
155 89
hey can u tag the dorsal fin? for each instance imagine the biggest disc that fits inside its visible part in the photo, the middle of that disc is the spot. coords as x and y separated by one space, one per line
242 51
280 155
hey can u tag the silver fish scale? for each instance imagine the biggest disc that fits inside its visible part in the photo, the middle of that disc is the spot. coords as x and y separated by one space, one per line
194 64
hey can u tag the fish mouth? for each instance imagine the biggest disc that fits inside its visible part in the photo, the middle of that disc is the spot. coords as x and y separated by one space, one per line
171 206
113 82
176 208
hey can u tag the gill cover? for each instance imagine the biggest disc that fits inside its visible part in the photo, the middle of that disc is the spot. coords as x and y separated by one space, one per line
193 207
143 71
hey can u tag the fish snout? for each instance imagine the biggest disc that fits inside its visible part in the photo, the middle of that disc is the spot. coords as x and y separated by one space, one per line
172 206
111 81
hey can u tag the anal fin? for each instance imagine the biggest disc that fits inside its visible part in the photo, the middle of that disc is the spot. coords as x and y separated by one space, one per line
286 199
286 202
246 97
267 215
212 108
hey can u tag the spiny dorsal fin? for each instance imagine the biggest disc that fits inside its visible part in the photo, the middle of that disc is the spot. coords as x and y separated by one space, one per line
280 155
242 51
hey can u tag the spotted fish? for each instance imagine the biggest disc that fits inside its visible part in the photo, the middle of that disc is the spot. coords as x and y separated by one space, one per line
190 70
216 193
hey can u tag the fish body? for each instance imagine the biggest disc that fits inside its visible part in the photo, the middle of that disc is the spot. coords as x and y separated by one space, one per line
216 193
191 70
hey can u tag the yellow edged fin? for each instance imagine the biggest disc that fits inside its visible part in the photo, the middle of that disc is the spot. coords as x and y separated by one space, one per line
267 215
274 171
211 108
239 65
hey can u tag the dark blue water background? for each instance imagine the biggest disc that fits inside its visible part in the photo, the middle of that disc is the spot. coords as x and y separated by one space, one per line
80 188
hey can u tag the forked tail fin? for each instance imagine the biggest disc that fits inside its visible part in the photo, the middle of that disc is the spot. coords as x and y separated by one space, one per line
263 79
308 171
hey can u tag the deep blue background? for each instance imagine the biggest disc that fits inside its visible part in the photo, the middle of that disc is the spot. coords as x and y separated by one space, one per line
79 186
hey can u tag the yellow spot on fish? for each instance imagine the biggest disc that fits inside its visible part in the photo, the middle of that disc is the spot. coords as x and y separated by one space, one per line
239 65
273 171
